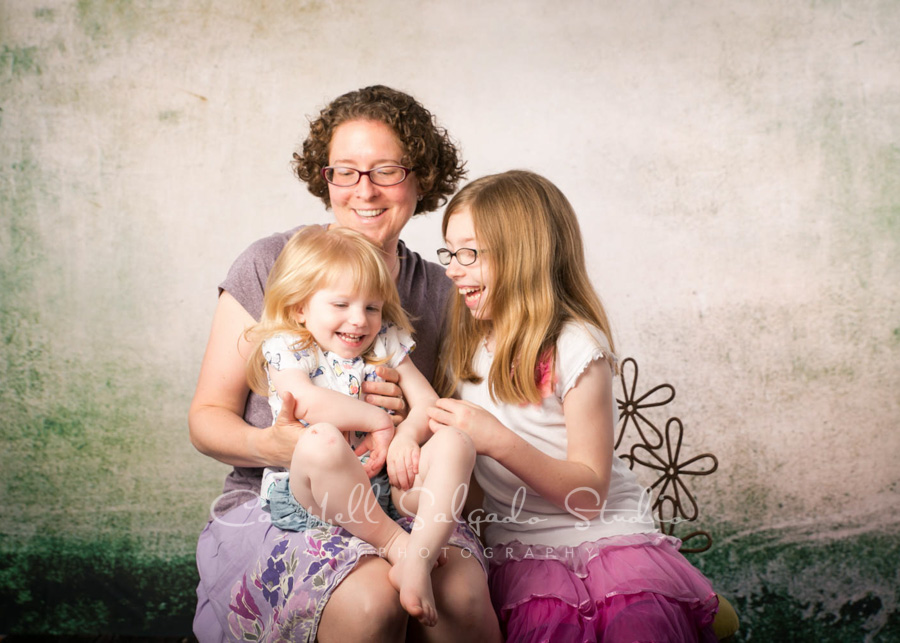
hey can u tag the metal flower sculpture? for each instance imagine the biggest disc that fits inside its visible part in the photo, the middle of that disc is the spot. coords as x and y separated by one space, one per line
674 501
652 450
630 408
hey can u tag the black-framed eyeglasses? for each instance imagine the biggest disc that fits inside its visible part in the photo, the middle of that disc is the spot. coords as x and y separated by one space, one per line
385 176
465 256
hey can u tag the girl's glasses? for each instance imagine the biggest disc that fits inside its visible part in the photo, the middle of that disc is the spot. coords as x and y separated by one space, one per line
385 176
465 256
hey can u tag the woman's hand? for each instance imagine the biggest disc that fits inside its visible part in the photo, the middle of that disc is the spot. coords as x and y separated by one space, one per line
281 438
487 432
403 462
387 394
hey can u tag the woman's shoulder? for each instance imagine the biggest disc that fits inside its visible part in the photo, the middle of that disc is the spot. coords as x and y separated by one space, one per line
265 250
246 279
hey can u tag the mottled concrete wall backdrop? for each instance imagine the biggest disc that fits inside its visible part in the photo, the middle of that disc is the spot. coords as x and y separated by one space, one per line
735 167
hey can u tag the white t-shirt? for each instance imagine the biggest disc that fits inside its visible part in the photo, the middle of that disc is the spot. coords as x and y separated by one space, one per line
514 511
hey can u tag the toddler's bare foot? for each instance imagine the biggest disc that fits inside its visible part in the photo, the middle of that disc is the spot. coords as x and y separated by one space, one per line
412 578
396 548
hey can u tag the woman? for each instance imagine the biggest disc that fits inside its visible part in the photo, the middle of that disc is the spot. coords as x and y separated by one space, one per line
325 584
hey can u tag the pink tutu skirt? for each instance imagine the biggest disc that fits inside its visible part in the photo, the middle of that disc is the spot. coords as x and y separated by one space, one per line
636 587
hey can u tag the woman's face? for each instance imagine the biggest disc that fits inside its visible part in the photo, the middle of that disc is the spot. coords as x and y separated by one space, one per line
380 213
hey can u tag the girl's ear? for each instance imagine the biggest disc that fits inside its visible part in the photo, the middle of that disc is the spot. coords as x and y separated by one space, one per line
298 315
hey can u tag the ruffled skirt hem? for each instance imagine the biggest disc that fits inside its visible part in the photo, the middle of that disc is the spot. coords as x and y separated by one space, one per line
624 588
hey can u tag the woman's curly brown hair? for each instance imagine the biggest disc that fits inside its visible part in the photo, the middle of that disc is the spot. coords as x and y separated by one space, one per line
427 147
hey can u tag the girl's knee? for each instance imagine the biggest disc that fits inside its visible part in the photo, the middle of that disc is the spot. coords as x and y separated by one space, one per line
320 445
453 443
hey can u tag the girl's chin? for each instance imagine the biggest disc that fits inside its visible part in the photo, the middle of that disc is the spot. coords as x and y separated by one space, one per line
345 350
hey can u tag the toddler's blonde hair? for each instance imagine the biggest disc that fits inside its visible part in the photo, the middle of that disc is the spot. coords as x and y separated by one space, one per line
315 258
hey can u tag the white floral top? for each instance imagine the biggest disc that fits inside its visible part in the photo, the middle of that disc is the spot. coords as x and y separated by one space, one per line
329 370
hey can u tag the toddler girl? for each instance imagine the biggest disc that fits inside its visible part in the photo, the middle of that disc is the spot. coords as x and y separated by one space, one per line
331 314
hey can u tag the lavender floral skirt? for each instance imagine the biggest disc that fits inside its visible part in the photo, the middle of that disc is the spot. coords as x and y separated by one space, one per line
260 583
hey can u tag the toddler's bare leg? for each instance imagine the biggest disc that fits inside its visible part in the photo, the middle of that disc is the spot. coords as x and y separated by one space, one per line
328 480
445 465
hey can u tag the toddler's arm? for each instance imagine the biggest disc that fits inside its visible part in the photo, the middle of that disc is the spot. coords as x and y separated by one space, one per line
318 404
413 431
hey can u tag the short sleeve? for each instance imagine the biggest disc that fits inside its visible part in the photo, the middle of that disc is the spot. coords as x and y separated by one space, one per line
280 356
394 344
578 346
246 279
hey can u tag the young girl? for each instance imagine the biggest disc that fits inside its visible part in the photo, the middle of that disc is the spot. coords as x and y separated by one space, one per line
331 313
574 552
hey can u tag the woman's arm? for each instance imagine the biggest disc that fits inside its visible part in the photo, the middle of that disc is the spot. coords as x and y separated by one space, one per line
217 427
579 483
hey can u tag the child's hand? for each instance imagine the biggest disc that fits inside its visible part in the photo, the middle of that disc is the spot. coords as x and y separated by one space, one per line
480 425
403 462
376 443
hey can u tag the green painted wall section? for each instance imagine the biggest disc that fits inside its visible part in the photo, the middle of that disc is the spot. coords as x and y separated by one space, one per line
736 170
78 459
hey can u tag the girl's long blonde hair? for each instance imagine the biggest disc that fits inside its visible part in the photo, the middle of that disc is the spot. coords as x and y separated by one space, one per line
313 259
529 236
